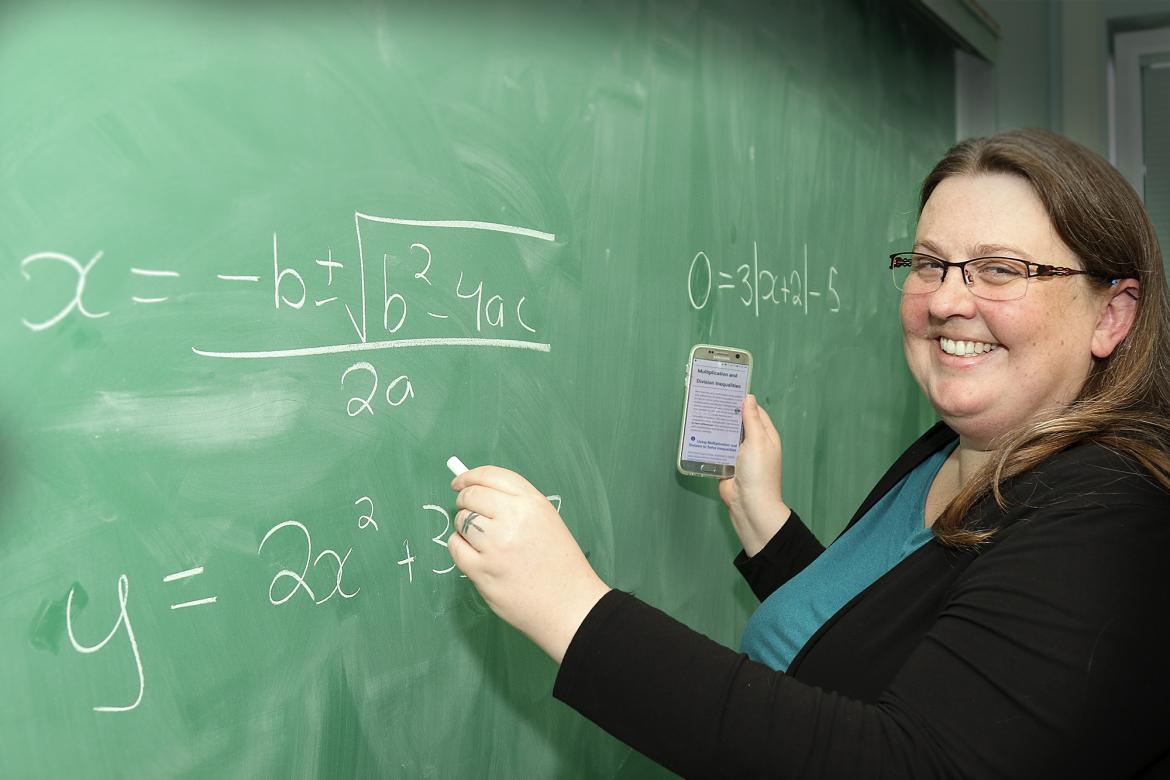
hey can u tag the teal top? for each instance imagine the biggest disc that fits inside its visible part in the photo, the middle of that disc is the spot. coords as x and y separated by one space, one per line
893 528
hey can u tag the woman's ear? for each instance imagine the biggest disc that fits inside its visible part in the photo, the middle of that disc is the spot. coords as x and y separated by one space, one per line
1117 318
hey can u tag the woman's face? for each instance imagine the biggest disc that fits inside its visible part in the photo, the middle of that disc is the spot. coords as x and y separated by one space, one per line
1040 353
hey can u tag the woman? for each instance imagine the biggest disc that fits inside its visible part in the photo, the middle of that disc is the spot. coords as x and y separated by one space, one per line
1027 632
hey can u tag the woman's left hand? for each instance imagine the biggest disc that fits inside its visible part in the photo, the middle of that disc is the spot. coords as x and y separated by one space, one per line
512 544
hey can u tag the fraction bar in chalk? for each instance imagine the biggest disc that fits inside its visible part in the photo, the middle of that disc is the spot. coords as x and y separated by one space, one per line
377 345
179 575
460 223
456 465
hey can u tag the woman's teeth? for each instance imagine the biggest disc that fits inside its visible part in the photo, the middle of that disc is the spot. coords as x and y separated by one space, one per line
964 348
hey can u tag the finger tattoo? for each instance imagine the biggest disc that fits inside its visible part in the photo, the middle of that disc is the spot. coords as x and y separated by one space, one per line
469 522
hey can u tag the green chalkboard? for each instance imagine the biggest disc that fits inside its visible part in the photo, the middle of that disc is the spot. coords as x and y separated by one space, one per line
264 267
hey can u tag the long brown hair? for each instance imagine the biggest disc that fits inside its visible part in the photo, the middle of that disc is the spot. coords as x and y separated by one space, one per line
1125 403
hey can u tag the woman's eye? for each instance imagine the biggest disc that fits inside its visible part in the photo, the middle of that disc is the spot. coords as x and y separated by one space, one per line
1001 271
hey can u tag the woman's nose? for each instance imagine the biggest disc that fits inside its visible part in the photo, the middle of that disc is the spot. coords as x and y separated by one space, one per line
953 297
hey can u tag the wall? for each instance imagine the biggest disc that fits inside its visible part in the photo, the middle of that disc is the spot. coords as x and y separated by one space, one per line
1052 67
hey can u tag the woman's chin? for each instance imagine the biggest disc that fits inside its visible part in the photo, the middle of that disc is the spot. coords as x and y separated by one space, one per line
951 408
973 423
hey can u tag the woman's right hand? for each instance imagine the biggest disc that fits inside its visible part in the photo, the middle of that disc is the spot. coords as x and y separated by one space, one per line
752 496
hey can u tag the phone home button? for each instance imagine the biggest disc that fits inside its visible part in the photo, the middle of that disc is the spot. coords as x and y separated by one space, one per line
709 468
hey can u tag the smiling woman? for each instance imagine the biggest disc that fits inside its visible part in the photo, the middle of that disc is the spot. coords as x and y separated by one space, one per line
1019 358
1063 206
996 607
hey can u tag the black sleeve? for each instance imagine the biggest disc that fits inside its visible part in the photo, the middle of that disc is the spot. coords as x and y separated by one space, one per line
1048 660
782 558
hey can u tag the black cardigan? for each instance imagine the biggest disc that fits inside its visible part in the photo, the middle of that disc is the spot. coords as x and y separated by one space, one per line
1047 654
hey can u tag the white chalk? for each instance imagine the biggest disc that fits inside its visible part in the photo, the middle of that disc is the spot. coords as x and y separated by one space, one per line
456 465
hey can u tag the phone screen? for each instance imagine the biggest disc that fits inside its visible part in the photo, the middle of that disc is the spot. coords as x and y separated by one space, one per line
713 422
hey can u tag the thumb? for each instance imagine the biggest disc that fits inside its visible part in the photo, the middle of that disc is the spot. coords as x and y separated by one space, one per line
750 415
767 427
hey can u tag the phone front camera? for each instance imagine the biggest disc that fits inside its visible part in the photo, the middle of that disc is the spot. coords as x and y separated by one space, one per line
737 356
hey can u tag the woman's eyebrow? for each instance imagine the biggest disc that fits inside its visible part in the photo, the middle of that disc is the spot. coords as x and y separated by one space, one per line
989 250
928 246
979 250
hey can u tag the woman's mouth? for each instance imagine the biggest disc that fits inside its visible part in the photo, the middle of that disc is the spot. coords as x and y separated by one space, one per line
965 348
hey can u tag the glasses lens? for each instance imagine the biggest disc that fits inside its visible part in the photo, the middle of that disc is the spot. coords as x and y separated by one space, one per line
998 278
914 273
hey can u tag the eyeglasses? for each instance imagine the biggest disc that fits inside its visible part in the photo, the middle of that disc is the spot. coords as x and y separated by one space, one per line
990 278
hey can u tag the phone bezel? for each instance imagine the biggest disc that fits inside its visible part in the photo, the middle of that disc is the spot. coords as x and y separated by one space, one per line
694 468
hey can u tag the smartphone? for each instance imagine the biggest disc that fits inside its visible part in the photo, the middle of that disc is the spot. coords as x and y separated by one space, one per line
717 382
